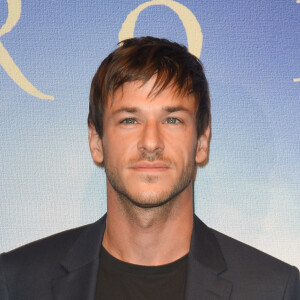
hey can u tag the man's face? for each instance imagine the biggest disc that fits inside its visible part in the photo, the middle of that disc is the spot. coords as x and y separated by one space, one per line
149 146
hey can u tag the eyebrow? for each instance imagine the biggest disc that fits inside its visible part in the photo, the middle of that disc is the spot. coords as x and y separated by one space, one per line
126 109
169 109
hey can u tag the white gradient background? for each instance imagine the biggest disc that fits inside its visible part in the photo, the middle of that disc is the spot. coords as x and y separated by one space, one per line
251 53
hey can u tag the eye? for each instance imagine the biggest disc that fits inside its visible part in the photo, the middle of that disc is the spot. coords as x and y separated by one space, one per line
173 121
128 121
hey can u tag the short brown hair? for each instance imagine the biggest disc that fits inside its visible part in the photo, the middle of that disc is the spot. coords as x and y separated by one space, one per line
139 59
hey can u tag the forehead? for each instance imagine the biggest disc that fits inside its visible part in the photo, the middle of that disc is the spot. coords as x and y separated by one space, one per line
146 94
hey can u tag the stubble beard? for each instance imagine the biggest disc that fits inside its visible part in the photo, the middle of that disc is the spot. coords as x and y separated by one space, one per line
148 201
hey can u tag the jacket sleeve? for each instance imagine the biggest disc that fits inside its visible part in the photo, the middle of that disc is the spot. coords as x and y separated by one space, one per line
292 291
3 286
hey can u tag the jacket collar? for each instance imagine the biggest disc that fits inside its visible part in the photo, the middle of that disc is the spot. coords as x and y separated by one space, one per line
81 265
205 265
86 248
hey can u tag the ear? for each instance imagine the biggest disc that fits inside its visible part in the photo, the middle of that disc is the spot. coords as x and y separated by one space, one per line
96 147
202 146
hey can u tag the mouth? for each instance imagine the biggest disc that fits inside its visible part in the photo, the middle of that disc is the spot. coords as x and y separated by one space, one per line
150 167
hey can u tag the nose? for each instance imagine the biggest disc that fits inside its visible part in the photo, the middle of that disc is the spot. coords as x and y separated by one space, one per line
151 139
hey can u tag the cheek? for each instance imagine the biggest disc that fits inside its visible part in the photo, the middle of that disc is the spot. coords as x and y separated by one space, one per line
183 155
116 149
109 148
183 145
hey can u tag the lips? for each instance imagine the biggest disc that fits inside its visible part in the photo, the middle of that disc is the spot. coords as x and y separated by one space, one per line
150 166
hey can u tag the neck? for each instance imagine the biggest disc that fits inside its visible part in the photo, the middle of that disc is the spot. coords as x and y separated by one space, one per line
154 236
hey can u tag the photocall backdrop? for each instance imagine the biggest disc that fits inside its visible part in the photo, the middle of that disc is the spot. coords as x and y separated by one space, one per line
49 51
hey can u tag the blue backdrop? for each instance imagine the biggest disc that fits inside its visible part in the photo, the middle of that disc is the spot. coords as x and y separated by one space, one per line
250 50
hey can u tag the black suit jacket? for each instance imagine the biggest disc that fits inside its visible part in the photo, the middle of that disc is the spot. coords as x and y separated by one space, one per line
65 266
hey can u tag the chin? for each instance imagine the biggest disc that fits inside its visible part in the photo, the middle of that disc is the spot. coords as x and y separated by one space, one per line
149 199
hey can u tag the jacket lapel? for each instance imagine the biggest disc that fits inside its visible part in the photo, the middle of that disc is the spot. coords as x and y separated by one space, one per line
205 265
81 266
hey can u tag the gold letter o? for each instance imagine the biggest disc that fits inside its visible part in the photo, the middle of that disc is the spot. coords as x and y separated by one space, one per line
189 21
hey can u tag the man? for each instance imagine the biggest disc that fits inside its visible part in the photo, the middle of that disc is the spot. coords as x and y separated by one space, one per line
149 127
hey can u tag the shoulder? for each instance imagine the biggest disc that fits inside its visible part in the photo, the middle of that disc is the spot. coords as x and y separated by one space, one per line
52 249
35 262
251 266
31 268
238 253
50 246
43 254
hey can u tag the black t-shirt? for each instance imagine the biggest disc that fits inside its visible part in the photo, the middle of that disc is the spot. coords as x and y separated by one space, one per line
119 280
